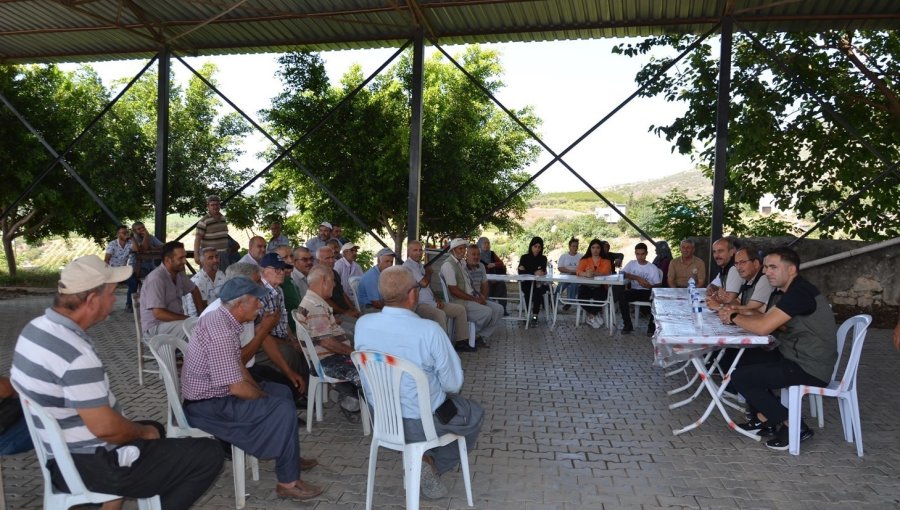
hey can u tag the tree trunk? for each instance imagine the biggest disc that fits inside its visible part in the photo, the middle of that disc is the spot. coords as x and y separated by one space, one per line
10 254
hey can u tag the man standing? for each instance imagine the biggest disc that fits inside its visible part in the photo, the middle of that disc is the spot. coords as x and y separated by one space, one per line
332 345
429 307
337 232
369 298
303 262
208 280
220 396
338 301
120 253
316 242
803 323
347 267
400 332
255 250
687 266
278 239
162 311
212 231
56 364
726 284
643 276
487 315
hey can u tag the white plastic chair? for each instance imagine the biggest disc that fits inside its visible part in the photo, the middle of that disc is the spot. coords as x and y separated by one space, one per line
315 392
450 323
607 306
382 373
354 286
844 389
188 326
637 309
141 357
163 349
79 494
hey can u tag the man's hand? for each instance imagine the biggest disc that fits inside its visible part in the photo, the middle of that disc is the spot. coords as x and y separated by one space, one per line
440 304
149 432
480 300
296 380
270 319
353 313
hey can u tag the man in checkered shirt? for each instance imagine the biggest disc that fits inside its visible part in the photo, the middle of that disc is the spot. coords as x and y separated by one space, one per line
220 396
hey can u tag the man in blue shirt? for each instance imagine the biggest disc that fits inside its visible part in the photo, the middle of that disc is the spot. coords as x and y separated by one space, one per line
369 297
397 330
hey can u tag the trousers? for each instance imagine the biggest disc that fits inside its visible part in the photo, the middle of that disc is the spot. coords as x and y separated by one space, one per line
467 422
755 377
442 316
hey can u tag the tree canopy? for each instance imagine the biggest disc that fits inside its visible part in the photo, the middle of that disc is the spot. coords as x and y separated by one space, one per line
472 153
781 141
116 158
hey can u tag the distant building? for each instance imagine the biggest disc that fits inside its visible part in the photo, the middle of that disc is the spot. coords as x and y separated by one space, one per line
608 214
767 204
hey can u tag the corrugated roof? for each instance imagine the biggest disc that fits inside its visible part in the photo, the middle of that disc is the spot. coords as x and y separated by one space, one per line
85 30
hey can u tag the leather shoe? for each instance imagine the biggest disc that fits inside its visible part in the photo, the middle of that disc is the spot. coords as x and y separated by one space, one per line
760 428
300 490
464 347
307 464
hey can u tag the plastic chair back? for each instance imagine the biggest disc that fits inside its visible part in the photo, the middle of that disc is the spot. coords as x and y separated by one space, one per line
859 325
354 286
188 326
312 357
163 348
58 449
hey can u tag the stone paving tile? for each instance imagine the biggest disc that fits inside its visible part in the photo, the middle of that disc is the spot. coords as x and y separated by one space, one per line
575 419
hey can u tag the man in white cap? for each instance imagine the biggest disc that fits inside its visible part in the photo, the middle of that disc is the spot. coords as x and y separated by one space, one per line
486 315
314 243
369 297
212 230
56 364
347 267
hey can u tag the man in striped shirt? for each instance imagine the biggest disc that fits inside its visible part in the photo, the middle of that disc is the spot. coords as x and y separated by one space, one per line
212 231
56 365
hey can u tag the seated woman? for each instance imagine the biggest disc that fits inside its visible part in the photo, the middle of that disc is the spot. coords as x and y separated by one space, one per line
493 265
534 262
594 263
662 260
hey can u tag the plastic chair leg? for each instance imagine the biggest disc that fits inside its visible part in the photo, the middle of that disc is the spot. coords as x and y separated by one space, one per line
472 334
237 468
413 474
370 480
795 401
464 464
853 405
312 396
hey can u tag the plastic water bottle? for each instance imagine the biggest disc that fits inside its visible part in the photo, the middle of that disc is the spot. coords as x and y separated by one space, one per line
696 308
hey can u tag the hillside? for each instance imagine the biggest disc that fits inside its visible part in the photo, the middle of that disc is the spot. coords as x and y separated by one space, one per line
573 202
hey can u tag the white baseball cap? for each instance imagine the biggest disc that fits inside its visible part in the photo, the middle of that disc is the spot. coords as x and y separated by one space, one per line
89 272
456 243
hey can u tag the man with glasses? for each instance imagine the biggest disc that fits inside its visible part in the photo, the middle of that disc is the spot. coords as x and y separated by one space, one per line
755 289
303 262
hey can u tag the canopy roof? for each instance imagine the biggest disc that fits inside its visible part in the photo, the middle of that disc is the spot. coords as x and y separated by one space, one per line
89 30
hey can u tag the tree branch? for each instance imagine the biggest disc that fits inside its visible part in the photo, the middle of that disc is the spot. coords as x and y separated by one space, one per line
845 46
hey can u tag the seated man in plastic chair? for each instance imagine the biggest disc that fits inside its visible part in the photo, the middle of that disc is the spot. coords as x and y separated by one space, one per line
399 331
802 321
223 399
56 364
487 315
162 310
333 346
643 276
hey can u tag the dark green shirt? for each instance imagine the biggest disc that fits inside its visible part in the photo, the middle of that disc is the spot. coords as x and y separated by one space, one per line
291 301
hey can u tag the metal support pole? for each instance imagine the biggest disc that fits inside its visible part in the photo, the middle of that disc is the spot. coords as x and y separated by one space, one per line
415 136
723 103
162 143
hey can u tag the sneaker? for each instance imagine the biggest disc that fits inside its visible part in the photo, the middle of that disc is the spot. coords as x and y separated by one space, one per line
627 330
595 322
760 428
432 488
781 441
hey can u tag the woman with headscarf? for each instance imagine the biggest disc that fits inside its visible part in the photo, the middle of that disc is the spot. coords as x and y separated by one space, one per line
662 259
493 265
594 263
534 262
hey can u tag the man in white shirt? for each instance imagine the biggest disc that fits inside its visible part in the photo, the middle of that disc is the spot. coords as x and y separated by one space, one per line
643 276
397 330
208 280
303 262
429 307
255 251
347 267
568 265
487 315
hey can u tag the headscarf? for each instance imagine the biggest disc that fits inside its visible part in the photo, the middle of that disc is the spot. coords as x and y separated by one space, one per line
486 257
662 252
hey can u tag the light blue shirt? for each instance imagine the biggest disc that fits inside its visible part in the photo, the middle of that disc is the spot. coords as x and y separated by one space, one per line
368 287
404 334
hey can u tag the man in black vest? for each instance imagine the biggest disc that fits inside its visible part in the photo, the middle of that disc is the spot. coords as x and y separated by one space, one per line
755 290
801 319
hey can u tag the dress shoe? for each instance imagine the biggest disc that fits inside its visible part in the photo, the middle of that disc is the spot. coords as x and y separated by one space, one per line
464 347
307 464
300 490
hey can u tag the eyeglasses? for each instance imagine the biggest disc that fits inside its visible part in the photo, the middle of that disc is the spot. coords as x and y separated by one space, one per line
305 259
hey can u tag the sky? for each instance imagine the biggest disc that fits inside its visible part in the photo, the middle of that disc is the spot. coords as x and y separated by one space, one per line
570 84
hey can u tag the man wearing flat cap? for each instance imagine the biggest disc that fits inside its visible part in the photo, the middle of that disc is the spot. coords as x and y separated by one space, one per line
487 315
220 396
56 364
320 240
369 297
212 231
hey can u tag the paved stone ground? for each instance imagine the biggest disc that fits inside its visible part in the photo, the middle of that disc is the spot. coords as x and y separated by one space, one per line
575 419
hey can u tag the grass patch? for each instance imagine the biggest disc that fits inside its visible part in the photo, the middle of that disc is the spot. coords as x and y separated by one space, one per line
30 277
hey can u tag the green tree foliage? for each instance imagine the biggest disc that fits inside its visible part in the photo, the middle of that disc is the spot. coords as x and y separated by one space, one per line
116 158
780 139
473 154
